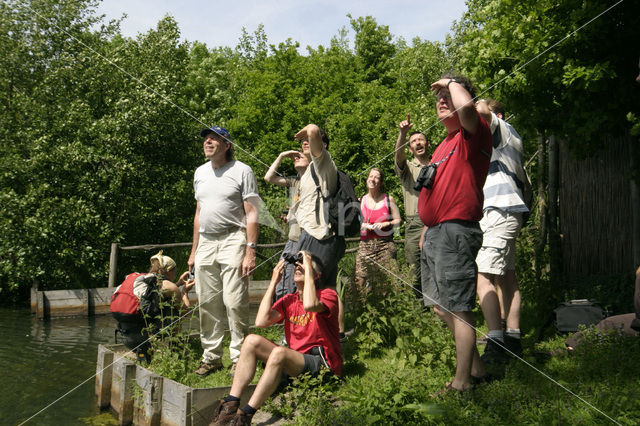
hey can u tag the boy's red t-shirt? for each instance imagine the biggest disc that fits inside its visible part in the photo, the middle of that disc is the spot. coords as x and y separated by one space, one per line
304 330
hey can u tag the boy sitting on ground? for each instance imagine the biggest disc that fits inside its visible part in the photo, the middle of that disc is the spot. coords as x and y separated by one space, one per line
310 318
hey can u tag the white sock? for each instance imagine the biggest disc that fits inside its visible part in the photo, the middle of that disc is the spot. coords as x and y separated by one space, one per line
513 332
496 335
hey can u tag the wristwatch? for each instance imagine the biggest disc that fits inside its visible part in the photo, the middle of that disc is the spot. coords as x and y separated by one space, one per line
451 80
252 245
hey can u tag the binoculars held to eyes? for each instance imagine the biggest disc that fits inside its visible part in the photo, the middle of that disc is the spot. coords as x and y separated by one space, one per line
293 258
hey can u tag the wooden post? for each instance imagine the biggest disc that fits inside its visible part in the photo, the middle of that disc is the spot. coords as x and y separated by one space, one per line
176 403
104 374
34 296
113 265
123 376
40 313
148 405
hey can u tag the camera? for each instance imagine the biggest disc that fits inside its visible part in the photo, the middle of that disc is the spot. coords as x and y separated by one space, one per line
192 273
293 258
426 177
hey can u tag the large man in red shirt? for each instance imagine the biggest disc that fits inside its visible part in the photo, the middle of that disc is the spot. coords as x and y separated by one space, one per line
450 207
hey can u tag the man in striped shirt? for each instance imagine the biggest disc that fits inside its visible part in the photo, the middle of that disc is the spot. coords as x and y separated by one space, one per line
503 210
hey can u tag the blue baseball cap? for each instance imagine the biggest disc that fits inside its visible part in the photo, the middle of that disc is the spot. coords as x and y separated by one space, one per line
217 130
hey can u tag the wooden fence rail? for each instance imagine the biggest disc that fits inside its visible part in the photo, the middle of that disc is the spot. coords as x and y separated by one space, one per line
113 259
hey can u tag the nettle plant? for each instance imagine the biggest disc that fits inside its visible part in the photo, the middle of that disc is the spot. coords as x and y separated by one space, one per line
393 318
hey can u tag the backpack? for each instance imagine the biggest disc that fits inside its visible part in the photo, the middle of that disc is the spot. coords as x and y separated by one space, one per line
342 209
125 306
570 315
123 301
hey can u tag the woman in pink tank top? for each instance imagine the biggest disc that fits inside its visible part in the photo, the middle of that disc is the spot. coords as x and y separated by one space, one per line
380 215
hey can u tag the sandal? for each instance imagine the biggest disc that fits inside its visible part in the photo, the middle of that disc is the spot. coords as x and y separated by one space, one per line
448 388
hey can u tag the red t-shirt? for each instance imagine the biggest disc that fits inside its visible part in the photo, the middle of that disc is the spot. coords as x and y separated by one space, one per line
304 330
457 189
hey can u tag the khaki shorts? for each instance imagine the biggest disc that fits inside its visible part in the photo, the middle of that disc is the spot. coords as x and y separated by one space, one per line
499 232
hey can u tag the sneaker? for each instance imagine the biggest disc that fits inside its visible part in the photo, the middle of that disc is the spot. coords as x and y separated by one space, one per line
232 370
207 368
241 419
513 344
225 413
494 354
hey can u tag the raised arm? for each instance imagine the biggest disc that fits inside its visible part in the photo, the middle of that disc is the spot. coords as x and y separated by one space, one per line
311 133
461 102
272 174
399 154
267 316
310 300
484 111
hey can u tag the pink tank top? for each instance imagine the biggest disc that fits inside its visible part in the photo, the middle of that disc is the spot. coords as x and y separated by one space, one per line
370 216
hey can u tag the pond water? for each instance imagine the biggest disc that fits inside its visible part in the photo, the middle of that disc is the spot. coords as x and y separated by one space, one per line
48 366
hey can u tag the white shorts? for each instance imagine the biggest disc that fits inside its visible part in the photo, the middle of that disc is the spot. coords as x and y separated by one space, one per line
498 252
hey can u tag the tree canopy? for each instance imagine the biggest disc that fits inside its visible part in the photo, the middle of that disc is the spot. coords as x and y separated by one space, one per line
100 132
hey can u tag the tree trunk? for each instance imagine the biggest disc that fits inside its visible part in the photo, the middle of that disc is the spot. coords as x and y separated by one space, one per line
542 207
555 253
635 200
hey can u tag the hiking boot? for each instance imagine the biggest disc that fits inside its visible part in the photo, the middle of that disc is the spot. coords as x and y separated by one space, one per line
513 344
207 368
241 419
494 353
232 370
225 413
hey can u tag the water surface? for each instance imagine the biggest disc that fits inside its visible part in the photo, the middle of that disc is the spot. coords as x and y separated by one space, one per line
43 360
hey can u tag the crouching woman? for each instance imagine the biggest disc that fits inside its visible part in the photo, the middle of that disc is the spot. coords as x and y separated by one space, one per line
149 302
310 318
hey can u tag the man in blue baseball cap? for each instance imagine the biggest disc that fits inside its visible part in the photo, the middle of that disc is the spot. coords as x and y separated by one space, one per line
223 253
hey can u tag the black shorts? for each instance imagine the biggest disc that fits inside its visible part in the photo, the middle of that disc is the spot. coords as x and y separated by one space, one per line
314 361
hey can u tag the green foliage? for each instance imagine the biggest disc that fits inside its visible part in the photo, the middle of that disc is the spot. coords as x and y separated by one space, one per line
104 419
99 141
94 153
547 60
385 389
314 393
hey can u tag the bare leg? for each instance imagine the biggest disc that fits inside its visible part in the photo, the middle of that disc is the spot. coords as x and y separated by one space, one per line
489 301
281 359
253 349
467 357
512 300
503 314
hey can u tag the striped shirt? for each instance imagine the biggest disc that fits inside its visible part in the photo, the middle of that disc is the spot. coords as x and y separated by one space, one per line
504 187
